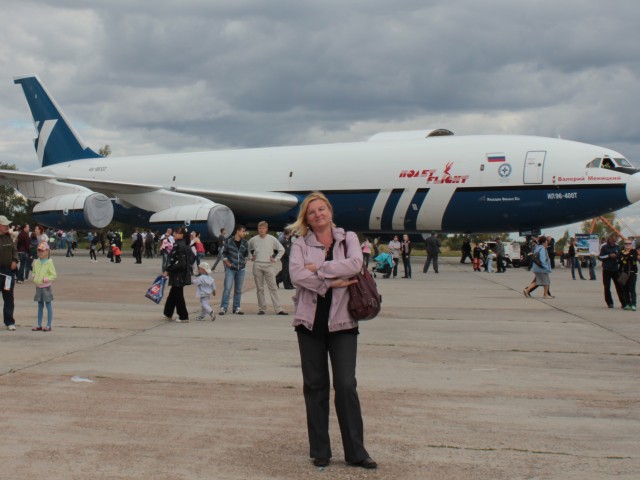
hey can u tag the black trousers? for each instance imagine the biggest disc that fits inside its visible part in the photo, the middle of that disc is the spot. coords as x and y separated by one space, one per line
175 301
406 263
607 277
427 263
7 296
629 290
314 353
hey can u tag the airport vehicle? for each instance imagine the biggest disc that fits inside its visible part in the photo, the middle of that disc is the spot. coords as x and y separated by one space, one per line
409 182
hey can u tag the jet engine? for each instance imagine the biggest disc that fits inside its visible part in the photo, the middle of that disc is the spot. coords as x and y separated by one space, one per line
212 216
75 210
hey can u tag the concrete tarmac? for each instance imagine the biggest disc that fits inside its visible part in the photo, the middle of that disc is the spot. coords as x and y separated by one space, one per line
460 377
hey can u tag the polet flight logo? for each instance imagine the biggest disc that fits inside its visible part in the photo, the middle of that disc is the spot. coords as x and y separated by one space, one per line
434 177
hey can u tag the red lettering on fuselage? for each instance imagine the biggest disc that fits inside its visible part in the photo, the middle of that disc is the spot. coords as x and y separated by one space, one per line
432 176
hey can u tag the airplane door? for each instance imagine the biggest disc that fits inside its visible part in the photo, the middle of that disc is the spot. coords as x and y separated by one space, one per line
534 166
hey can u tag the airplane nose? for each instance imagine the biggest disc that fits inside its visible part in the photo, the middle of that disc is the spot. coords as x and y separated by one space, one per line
633 188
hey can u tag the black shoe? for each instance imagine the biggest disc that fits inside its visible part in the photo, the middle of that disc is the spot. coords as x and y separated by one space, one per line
367 463
321 462
260 312
282 312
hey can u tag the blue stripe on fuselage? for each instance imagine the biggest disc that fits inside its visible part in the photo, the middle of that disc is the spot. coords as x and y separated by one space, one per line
508 209
390 209
352 209
411 216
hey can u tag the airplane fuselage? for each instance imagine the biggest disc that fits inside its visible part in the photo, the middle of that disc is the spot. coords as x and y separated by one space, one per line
411 182
483 183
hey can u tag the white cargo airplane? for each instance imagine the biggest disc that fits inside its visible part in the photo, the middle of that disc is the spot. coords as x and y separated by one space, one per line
409 182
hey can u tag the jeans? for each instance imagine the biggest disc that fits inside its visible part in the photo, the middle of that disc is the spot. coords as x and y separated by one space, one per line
165 260
592 268
41 306
25 266
575 263
232 277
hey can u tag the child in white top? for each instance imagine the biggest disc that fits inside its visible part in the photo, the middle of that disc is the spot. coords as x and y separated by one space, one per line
490 258
205 287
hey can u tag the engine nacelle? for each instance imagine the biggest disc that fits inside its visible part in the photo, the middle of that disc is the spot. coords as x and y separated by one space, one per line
213 216
75 210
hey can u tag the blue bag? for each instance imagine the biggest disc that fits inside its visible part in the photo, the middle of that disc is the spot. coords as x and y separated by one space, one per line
156 291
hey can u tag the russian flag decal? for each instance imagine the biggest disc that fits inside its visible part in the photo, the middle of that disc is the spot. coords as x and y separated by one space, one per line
496 157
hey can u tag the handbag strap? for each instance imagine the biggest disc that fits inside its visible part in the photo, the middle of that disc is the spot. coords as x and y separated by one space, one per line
344 246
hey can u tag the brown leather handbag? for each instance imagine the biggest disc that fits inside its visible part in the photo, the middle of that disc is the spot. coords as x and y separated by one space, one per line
364 299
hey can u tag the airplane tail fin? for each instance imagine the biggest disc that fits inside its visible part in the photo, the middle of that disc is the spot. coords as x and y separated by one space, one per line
57 141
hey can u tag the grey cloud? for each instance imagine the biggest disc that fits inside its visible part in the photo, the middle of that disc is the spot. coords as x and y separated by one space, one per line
252 73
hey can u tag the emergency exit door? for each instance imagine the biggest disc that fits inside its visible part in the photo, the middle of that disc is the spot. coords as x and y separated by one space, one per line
534 167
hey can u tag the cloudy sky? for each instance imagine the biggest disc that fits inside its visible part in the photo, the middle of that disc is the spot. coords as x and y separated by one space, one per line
156 77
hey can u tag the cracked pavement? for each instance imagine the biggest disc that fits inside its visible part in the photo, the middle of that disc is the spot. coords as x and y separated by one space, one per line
461 377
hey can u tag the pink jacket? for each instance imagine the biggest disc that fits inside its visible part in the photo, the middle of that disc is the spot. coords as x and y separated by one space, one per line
309 285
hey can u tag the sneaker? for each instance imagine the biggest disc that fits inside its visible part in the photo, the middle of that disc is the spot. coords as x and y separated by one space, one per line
626 307
46 329
212 315
169 319
633 308
180 320
11 327
222 311
282 312
199 318
36 329
238 312
260 312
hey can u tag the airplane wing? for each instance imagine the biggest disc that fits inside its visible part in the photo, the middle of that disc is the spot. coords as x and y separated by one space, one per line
241 202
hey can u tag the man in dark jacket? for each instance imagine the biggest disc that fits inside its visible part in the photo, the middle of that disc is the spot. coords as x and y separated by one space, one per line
501 262
236 252
23 245
433 250
609 254
466 250
8 267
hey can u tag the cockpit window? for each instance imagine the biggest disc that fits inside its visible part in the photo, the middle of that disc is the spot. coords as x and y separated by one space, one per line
618 164
595 163
608 163
623 162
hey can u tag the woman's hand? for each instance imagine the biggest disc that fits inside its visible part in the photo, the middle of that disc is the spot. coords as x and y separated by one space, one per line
342 283
311 267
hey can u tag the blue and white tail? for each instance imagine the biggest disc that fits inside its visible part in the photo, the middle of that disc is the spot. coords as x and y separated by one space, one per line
57 141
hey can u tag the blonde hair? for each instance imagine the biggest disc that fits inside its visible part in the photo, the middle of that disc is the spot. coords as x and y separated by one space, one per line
300 227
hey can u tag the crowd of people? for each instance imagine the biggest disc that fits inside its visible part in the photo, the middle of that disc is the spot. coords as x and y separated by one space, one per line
318 260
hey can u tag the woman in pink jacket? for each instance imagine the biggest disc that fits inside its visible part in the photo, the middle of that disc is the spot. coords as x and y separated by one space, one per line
322 261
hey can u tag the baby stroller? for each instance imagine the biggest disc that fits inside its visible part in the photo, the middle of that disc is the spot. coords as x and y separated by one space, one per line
384 265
